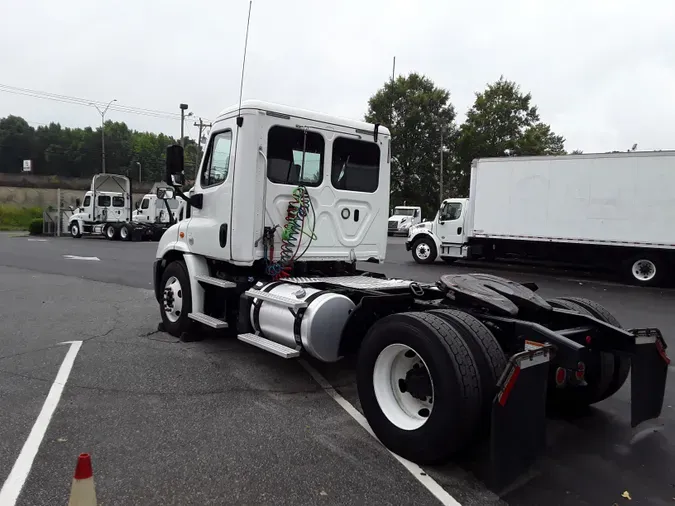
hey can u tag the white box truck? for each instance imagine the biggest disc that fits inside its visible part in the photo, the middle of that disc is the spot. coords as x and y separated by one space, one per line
614 210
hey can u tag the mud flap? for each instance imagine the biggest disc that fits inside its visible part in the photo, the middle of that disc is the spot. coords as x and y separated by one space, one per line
518 426
649 369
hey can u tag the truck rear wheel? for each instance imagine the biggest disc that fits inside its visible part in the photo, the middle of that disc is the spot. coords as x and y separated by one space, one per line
176 301
599 373
424 250
110 232
646 269
125 232
419 386
621 363
488 354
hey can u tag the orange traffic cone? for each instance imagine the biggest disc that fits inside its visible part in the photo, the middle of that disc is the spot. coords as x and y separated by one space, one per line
82 492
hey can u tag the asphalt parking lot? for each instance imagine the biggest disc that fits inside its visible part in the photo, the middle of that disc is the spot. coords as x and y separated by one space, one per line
219 422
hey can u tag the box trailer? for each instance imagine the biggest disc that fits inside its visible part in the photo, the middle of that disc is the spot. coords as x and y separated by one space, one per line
614 210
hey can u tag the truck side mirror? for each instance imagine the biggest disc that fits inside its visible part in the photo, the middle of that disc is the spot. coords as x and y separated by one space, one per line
175 169
417 213
165 193
137 204
77 202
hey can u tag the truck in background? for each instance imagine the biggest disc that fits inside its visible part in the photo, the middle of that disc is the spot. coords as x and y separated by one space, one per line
107 211
611 210
402 218
152 209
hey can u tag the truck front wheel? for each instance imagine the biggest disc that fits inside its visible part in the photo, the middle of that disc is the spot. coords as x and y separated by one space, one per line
75 231
419 386
176 299
424 250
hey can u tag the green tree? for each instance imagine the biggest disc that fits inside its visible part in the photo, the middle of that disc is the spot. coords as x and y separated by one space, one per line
76 152
415 111
502 122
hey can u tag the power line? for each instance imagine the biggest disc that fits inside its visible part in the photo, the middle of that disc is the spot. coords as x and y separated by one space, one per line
85 102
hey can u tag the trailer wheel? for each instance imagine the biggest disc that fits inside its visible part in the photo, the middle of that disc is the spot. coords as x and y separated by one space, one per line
621 363
419 386
125 232
110 233
646 269
75 231
599 373
488 354
176 301
424 250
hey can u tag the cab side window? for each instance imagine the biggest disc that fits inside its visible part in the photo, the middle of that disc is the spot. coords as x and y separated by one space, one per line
217 161
287 163
87 201
451 211
145 203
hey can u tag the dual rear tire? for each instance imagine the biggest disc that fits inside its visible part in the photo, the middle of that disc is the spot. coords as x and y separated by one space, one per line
426 380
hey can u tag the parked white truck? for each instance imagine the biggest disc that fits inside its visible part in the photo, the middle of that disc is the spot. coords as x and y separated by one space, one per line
286 202
614 210
107 211
402 218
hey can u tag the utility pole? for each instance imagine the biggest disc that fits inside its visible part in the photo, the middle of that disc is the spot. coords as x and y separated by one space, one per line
102 113
201 126
139 171
441 194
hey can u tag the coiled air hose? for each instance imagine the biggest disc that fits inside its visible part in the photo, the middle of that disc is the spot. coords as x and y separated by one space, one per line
291 236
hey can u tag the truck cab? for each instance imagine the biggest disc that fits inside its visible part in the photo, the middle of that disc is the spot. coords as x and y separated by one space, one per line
445 236
153 210
402 218
282 171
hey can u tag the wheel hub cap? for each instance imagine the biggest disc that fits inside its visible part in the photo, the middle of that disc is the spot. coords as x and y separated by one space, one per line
403 387
173 299
644 270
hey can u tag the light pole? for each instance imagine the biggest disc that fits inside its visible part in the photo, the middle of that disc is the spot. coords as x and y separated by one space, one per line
183 108
102 113
139 171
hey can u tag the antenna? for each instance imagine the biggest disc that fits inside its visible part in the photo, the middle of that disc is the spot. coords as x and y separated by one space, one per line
240 120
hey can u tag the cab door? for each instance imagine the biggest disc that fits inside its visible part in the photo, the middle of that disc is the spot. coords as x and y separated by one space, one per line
451 223
209 228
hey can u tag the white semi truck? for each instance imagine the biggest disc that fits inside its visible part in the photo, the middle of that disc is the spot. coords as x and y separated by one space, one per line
610 210
286 202
402 218
107 211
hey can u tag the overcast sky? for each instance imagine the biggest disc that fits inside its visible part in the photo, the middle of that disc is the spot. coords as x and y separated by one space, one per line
601 72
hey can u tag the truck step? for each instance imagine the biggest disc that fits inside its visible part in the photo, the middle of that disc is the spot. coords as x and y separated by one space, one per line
267 345
288 302
215 281
207 320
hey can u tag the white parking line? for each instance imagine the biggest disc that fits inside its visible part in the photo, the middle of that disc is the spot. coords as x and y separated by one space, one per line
17 477
75 257
427 481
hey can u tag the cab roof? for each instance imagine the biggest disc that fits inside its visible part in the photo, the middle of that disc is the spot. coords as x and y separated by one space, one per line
269 107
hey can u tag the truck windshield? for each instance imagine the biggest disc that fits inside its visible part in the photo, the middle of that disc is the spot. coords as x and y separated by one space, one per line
399 211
